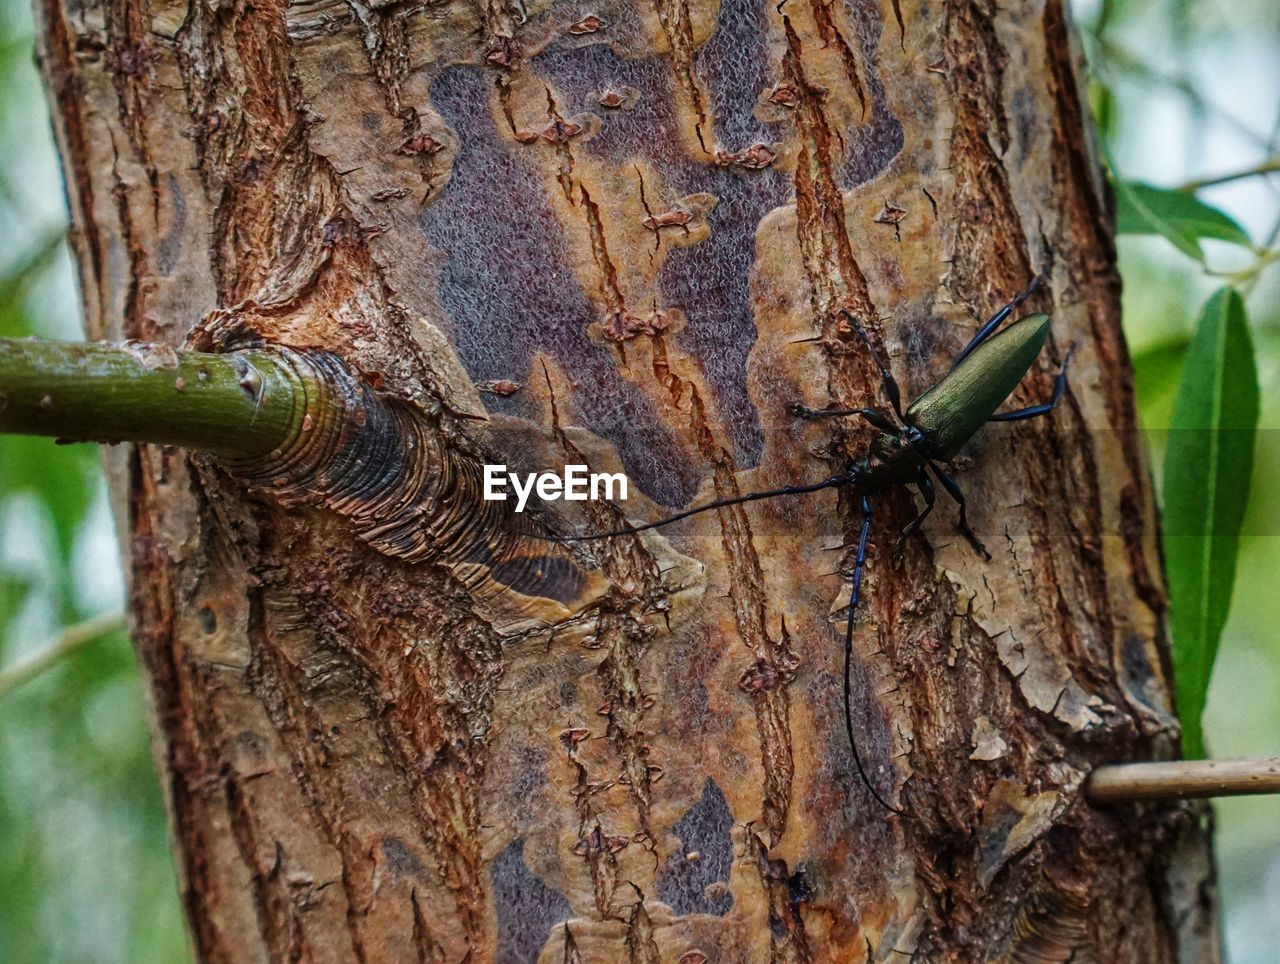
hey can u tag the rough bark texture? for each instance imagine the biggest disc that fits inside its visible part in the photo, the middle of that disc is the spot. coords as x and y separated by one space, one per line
622 233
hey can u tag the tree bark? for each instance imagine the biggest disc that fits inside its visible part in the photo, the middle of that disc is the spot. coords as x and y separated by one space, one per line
623 234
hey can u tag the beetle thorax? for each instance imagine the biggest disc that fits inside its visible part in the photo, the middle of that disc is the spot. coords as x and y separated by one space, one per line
891 461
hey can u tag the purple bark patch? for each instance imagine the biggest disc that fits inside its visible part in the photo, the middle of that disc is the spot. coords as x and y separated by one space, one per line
695 879
507 284
527 907
510 293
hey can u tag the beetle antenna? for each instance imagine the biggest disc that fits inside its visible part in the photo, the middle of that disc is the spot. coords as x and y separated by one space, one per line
854 594
847 479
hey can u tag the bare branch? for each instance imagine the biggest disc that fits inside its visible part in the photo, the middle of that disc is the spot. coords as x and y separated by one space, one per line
1182 780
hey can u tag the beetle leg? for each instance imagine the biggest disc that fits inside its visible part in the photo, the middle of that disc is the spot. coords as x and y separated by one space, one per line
877 419
953 490
1044 408
925 485
886 377
994 322
860 558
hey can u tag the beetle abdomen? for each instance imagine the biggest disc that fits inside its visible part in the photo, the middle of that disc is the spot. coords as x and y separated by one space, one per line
951 411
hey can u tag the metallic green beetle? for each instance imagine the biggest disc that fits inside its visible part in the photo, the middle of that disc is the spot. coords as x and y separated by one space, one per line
911 444
938 424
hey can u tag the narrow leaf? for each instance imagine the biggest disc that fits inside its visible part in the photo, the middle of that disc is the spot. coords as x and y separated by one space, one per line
1156 371
1177 215
1206 486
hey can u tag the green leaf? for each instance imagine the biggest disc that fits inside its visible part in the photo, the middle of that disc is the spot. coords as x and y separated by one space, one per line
1102 103
1206 486
1179 216
1156 371
27 269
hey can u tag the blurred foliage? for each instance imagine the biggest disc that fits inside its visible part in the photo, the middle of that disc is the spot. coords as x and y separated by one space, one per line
1184 91
85 870
1186 94
1207 464
1209 449
1177 215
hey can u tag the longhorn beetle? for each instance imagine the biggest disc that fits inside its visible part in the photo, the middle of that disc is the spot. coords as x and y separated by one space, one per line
911 444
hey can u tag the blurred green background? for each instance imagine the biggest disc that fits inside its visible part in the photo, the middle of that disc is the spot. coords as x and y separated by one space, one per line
85 871
1184 91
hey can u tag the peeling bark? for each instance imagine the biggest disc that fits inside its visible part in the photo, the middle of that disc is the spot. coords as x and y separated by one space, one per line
623 234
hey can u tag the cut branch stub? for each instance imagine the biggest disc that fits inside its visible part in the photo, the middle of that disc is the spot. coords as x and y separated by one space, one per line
302 426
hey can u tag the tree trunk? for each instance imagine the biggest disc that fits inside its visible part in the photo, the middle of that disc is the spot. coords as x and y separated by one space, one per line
623 235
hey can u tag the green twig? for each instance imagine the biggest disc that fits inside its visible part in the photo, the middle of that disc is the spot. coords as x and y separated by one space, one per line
239 405
1269 166
1246 278
297 423
72 640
